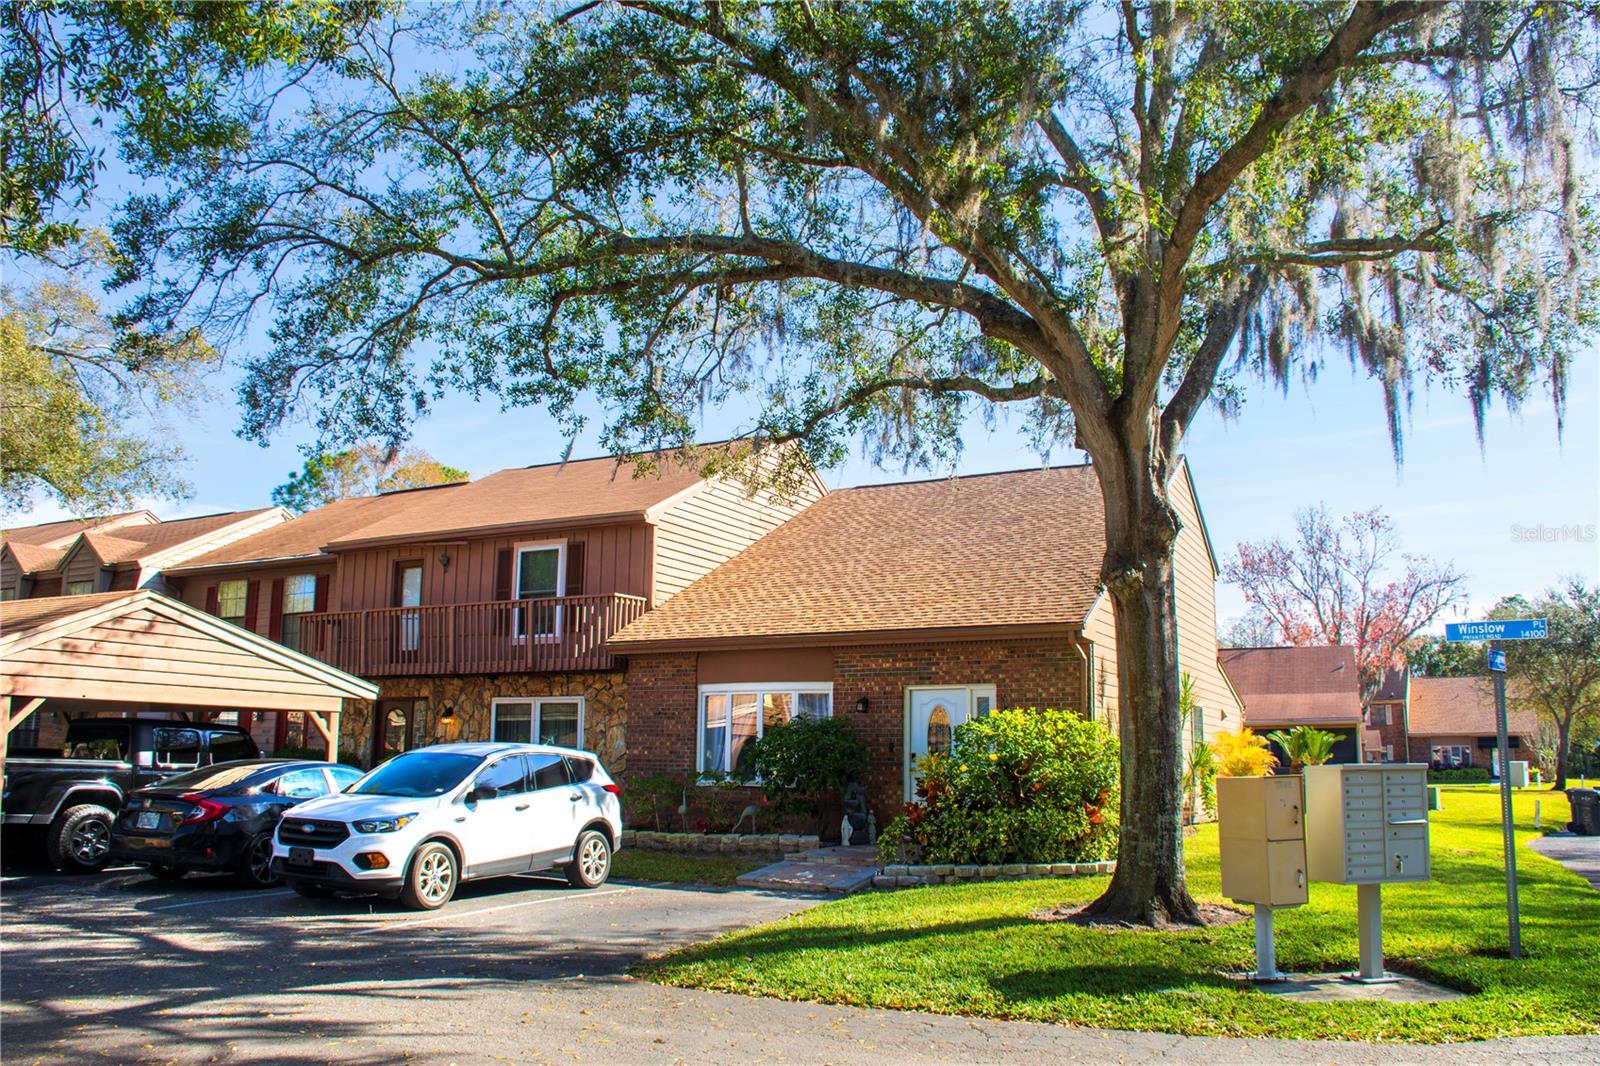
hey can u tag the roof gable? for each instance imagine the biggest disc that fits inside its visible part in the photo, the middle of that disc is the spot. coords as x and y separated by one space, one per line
1022 548
1445 706
1316 684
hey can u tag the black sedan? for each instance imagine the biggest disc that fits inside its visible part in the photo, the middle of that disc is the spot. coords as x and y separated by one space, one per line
221 817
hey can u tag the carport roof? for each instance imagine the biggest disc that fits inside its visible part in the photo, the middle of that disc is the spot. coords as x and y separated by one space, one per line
142 647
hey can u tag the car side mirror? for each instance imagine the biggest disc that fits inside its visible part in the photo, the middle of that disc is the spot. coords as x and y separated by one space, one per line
480 793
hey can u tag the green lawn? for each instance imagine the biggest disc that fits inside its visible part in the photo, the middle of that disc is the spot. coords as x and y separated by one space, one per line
971 949
637 865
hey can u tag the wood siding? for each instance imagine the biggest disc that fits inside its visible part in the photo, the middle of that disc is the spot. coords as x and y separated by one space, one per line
1196 584
193 589
82 565
616 559
710 527
145 657
10 573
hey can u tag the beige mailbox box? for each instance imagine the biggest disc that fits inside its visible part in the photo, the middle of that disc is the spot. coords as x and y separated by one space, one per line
1263 839
1369 827
1369 823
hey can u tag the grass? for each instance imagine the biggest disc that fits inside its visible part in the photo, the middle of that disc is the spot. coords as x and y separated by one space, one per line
637 865
972 949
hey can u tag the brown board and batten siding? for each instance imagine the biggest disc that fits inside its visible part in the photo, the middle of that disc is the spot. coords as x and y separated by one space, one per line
701 532
264 610
616 559
81 565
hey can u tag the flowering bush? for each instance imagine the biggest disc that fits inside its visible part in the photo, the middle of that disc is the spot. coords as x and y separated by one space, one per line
1019 785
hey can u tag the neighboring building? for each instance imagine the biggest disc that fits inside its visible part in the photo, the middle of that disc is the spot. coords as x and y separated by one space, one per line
906 609
1287 687
1385 718
1451 723
116 554
483 609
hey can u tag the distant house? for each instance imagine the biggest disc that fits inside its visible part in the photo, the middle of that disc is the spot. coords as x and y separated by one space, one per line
1450 723
115 554
906 610
1287 687
1385 733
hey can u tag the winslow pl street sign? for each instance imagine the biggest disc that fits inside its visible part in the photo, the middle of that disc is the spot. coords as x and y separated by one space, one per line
1495 632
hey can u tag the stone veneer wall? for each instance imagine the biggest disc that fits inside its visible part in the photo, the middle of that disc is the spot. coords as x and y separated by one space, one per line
663 695
604 712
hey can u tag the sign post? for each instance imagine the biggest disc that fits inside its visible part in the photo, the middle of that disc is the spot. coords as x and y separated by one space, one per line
1494 633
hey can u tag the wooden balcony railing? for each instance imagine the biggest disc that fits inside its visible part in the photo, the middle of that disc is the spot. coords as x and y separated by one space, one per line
504 636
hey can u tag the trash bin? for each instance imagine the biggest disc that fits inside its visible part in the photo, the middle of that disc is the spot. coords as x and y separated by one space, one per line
1585 811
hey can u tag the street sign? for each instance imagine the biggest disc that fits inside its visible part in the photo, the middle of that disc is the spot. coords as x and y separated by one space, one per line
1509 629
1497 660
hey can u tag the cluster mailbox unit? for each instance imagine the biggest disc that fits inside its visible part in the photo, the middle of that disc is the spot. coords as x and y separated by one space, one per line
1369 827
1262 830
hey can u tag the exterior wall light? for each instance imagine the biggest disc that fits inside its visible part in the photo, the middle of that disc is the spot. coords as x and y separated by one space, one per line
862 705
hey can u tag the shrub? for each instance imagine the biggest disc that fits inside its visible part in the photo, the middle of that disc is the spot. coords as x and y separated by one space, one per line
1469 775
655 798
1200 774
1243 754
1018 785
1305 745
806 762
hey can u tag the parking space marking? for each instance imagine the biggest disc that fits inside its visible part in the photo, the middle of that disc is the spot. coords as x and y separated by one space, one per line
218 899
437 917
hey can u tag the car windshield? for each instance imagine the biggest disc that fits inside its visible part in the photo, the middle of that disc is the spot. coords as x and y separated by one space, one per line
219 776
422 773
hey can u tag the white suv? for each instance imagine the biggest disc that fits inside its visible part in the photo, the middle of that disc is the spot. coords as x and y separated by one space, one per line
431 818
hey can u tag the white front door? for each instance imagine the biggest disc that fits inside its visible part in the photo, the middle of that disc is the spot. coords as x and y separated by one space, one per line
932 716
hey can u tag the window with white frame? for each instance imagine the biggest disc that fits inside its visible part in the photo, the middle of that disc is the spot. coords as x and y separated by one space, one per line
299 598
554 720
733 717
1380 714
232 596
541 573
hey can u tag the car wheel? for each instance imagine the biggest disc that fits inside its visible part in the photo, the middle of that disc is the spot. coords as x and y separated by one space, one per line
165 872
310 890
79 841
591 860
430 879
255 863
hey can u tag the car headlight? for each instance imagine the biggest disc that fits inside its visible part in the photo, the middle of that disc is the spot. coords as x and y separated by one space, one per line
384 825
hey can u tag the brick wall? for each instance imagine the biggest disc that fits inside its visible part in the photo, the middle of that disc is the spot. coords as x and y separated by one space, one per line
663 694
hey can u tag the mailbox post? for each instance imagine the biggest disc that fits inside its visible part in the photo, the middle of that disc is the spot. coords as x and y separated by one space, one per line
1262 834
1369 828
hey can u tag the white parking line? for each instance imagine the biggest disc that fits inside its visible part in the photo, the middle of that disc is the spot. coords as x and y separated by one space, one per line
219 899
434 918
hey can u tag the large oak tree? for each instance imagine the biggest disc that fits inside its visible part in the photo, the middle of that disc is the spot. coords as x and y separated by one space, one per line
861 219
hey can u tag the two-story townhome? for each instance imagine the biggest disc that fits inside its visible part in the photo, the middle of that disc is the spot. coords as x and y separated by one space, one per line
907 609
484 609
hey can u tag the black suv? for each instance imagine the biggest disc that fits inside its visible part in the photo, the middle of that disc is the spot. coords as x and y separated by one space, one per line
74 795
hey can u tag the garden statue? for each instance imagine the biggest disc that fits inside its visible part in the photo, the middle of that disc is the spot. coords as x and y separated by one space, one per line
853 827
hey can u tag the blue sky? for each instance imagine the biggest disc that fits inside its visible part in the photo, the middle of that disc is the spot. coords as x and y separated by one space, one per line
1323 443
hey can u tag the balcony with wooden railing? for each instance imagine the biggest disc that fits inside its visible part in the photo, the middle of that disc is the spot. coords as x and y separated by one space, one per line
553 633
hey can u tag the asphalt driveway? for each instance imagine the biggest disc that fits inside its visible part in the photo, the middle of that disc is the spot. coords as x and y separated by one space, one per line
125 968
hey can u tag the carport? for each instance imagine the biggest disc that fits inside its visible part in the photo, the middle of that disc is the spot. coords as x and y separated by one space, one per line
131 652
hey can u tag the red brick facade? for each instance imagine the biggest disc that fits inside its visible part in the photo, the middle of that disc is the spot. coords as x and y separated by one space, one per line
663 691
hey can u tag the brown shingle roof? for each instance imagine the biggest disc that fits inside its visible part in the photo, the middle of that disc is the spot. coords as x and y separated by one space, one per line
131 543
533 495
32 558
59 534
1448 706
1295 685
19 615
1020 548
1392 686
305 535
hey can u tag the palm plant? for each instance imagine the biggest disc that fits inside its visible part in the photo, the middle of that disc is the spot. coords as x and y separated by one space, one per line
1305 745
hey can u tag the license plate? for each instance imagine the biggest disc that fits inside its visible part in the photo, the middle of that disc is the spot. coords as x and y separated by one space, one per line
149 820
300 856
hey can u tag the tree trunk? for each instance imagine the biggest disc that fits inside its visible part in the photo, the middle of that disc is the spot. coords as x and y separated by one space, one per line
1150 886
1563 750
